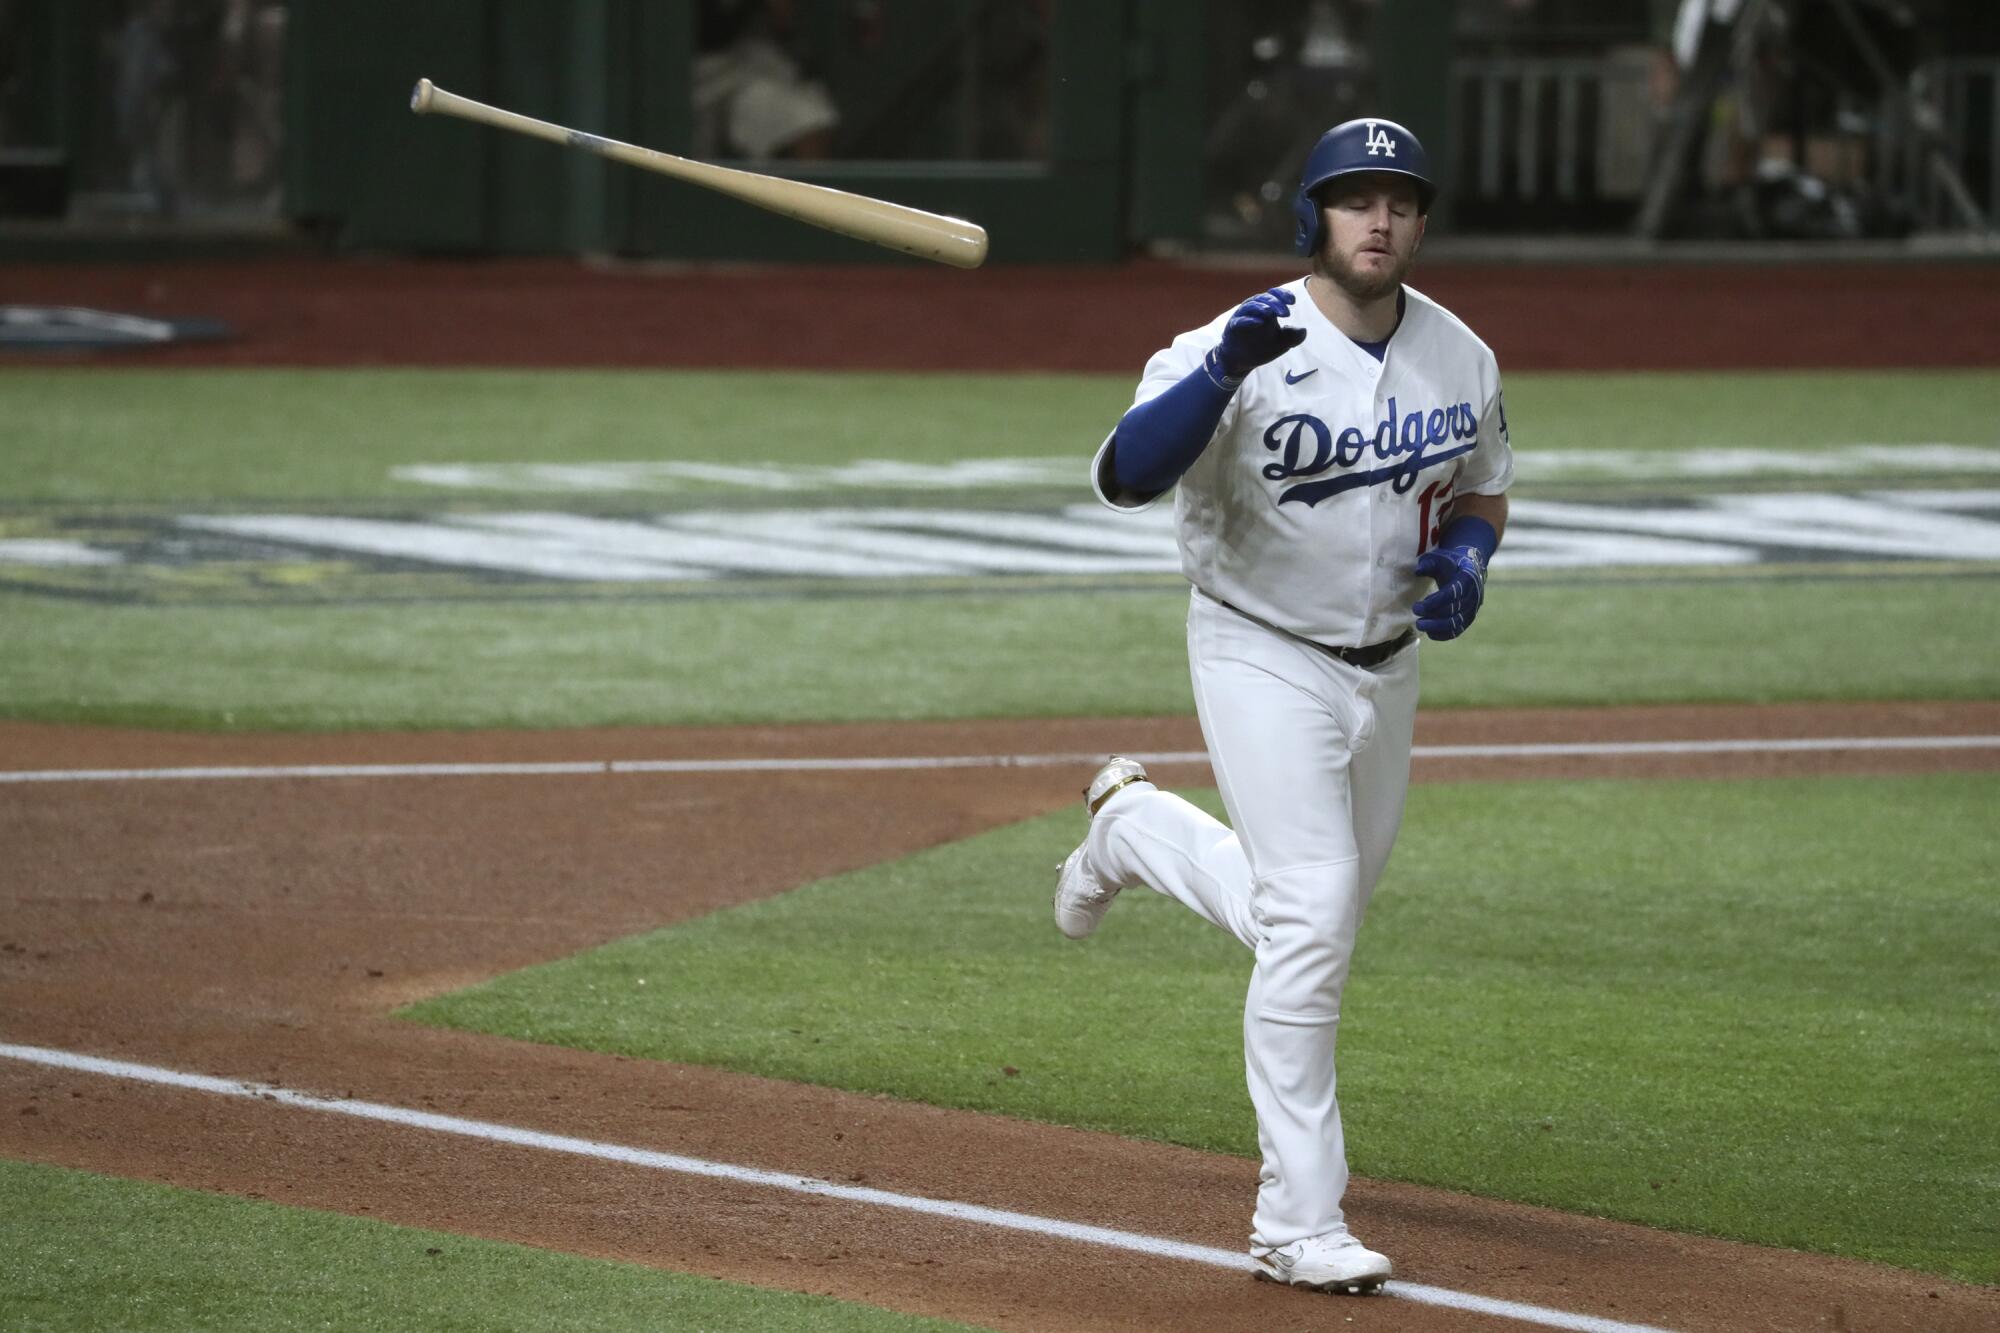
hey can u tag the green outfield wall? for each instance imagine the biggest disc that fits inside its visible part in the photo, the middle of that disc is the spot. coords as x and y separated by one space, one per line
1076 131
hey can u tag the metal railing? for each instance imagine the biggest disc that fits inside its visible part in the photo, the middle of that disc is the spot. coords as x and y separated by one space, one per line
1564 127
1570 140
1963 94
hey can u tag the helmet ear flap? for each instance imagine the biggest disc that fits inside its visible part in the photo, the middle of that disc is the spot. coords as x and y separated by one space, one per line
1306 209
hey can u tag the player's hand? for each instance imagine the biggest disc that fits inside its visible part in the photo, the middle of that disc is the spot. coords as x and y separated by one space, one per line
1253 336
1460 572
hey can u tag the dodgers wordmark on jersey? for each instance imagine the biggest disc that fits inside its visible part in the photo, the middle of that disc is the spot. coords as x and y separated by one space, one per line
1330 471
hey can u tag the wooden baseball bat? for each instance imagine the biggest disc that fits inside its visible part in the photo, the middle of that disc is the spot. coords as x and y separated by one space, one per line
948 240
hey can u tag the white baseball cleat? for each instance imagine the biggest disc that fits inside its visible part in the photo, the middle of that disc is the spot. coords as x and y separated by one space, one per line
1333 1261
1082 895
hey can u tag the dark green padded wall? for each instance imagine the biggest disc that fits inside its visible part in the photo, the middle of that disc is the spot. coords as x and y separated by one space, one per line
384 179
1124 104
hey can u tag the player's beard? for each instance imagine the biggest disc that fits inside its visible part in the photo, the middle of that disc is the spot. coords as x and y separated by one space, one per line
1340 270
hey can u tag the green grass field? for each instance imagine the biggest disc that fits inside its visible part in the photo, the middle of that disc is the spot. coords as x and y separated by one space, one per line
119 443
1753 1010
1757 1010
324 435
898 658
83 1252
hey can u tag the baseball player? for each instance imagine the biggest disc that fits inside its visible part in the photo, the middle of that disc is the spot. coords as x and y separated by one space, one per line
1339 447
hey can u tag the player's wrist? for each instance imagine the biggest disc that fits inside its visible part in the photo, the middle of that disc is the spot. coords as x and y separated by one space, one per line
1217 368
1472 533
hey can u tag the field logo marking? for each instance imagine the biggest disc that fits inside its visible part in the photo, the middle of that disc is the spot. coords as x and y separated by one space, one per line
614 478
280 555
671 476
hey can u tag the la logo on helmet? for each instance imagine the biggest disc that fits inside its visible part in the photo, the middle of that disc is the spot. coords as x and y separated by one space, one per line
1379 142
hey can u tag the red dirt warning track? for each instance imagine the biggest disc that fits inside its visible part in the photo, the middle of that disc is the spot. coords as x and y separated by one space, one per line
298 312
263 930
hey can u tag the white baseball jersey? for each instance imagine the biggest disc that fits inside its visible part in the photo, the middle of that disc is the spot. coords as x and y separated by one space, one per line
1329 471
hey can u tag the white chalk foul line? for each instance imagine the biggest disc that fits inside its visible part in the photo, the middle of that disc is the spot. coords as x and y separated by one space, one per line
1791 745
1155 1246
1602 749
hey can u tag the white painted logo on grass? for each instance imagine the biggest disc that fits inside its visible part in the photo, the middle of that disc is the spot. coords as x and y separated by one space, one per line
54 553
1887 461
1844 460
1080 541
1087 540
862 474
797 543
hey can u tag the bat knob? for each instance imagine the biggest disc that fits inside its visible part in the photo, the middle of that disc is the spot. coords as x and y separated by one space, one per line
420 96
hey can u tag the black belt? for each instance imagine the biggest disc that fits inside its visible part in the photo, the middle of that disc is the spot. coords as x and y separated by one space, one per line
1366 657
1374 654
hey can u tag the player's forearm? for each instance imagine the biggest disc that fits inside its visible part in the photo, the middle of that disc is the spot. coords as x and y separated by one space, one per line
1159 439
1491 509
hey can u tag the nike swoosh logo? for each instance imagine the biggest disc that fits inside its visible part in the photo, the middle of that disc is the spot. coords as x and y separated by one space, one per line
1290 378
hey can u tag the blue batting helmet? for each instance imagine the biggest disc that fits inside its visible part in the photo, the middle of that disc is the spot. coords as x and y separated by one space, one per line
1355 146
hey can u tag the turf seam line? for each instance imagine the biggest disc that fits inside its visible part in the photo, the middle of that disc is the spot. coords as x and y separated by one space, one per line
885 763
1157 1246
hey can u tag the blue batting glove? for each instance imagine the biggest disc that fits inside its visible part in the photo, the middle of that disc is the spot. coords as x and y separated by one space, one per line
1458 563
1254 337
1460 572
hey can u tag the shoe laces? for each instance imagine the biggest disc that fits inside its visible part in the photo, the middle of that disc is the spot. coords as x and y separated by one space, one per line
1095 890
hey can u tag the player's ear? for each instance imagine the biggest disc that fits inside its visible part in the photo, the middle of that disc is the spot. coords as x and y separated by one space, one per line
1423 223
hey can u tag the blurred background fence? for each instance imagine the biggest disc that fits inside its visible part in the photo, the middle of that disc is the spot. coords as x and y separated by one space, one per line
1076 130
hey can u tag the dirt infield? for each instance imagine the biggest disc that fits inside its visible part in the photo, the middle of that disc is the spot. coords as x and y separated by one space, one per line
263 930
865 317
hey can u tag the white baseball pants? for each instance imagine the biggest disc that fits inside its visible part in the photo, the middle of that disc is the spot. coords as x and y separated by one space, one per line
1312 756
